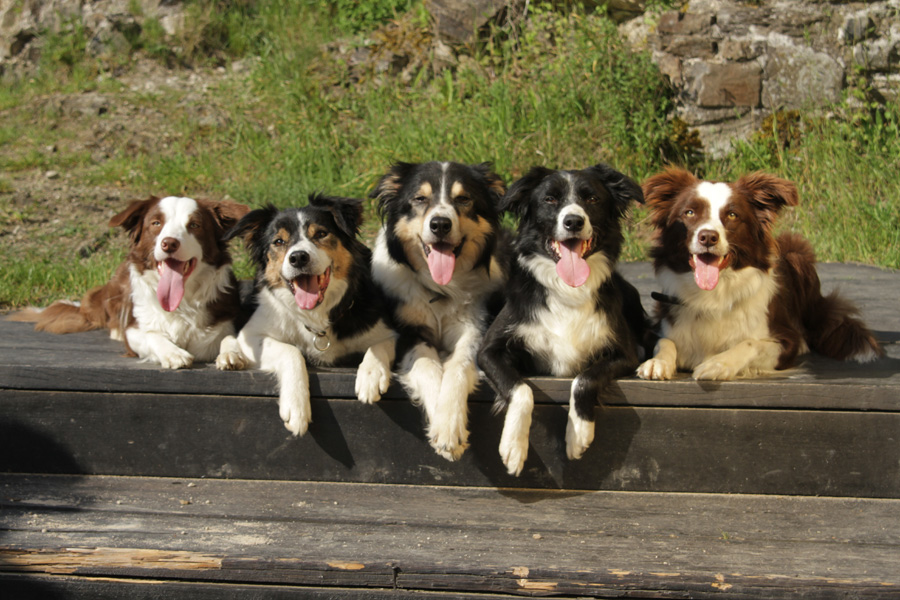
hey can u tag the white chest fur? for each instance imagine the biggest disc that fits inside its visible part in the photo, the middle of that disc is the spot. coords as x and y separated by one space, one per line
709 322
569 329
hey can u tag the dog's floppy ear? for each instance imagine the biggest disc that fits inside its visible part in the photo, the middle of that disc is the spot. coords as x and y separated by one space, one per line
132 218
768 194
495 185
661 190
622 188
390 184
227 213
516 198
347 212
251 228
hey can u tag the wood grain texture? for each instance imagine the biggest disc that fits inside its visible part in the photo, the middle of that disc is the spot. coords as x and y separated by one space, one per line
456 539
836 453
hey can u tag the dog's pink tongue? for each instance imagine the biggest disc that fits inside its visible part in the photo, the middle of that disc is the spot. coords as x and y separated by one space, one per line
171 284
706 271
571 267
306 291
441 262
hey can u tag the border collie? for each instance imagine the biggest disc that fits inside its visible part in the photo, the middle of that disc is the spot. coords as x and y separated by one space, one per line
569 313
737 301
439 260
316 302
175 297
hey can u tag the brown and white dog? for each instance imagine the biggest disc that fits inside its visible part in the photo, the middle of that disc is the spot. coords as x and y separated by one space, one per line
175 298
737 301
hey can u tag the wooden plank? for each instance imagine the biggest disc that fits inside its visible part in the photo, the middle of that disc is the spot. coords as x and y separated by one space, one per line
93 362
64 363
852 453
456 539
43 587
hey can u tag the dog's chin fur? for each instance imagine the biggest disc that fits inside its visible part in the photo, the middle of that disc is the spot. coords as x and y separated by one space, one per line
765 308
440 323
129 306
346 326
587 327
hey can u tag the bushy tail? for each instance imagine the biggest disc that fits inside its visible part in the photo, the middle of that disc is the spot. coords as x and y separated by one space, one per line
832 323
59 317
835 330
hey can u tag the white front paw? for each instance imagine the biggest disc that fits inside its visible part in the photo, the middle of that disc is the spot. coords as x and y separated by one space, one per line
579 435
372 380
715 369
176 358
295 412
513 451
656 368
231 361
448 434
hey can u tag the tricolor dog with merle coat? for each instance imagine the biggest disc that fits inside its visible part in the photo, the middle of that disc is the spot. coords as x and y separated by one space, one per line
438 259
568 313
316 302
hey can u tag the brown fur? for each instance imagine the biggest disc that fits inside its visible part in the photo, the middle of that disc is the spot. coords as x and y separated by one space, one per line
109 306
798 312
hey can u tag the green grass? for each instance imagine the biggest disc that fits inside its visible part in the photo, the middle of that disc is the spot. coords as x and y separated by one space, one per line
563 90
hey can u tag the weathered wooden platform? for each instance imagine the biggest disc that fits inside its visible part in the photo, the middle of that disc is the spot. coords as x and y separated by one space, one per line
122 478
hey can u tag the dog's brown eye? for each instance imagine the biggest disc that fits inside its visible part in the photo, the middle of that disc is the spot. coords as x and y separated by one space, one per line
592 200
320 234
463 200
550 200
419 200
278 242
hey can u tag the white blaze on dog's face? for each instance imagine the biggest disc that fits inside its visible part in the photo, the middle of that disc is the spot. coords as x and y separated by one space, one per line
441 215
707 235
173 226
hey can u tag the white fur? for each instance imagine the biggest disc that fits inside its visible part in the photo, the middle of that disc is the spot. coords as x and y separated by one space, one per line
178 212
440 380
277 338
718 334
579 432
569 329
514 440
175 339
716 196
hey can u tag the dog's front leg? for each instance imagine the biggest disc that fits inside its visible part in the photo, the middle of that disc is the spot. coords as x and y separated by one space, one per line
230 357
584 396
156 346
662 365
449 433
374 374
289 367
497 361
750 356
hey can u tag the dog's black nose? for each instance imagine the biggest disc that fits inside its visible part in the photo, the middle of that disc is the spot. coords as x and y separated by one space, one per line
573 223
440 226
298 259
708 237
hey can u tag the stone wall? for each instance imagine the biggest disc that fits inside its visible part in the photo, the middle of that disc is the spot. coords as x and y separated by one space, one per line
734 63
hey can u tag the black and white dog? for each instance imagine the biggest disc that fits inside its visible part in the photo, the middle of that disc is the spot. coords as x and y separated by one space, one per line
438 259
315 299
568 313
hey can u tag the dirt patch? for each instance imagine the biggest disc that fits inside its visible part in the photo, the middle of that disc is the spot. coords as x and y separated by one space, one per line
67 155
